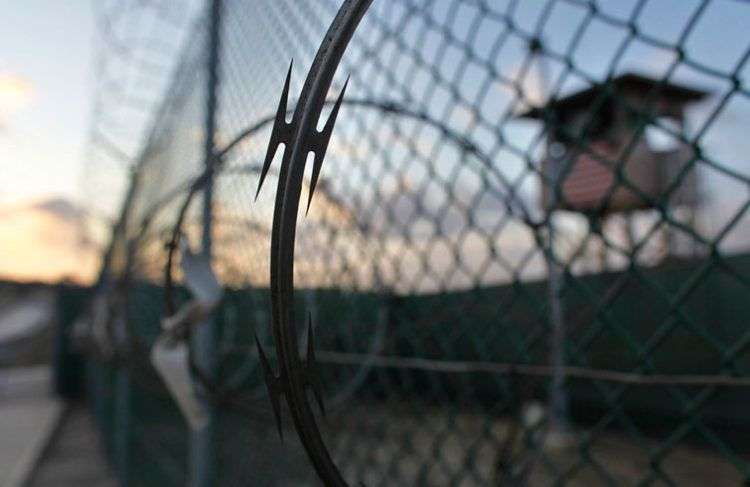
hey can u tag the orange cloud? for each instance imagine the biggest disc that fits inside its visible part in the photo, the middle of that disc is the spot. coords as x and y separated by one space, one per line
42 242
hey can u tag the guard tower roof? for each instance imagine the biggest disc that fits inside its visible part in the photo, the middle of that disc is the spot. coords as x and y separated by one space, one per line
628 82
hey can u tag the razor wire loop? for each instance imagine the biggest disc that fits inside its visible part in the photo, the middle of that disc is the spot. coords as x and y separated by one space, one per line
282 132
293 375
284 262
503 190
194 188
595 317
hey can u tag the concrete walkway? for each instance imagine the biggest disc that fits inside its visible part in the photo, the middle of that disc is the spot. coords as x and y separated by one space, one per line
74 457
29 416
43 441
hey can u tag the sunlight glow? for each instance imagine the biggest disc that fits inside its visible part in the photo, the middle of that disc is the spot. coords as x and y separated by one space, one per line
15 93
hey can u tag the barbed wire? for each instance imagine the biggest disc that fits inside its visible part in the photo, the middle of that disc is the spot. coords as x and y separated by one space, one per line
492 228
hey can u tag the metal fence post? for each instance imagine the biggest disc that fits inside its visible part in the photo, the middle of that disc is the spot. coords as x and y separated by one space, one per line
557 403
558 398
203 443
122 429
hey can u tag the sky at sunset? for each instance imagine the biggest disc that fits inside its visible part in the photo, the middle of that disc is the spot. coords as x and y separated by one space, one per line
45 97
45 106
47 93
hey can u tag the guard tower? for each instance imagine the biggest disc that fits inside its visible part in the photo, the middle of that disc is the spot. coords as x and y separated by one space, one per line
606 156
588 135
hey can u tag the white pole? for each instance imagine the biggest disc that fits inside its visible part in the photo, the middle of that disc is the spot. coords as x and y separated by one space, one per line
204 442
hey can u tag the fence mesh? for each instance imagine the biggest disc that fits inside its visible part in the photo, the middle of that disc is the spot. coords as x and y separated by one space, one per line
525 263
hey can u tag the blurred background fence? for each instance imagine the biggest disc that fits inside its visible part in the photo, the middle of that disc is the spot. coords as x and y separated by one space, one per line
526 262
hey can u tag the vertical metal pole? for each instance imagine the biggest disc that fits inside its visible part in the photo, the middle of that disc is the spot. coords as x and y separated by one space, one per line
204 442
558 400
122 426
557 404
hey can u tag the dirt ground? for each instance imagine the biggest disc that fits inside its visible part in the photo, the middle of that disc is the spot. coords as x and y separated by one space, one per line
390 446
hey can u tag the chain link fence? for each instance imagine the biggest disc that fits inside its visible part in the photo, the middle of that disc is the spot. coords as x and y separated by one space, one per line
525 261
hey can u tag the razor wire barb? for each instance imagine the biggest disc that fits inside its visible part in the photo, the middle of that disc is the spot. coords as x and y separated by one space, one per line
525 262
